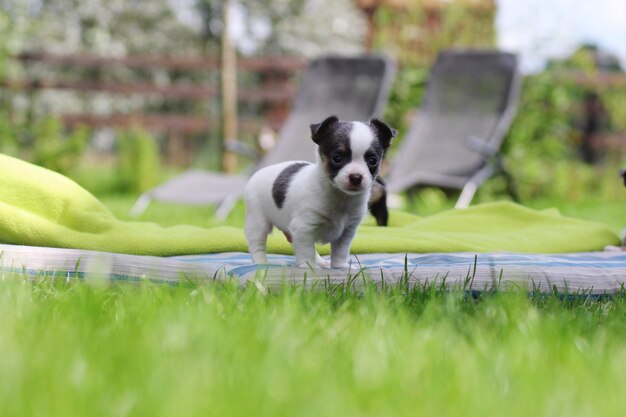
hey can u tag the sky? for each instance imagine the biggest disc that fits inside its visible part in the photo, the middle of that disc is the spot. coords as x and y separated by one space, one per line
543 29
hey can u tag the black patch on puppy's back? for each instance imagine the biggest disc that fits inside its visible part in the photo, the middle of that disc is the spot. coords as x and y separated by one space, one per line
282 181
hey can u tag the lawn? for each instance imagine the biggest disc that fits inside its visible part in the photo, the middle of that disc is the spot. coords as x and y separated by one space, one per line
72 349
75 349
610 212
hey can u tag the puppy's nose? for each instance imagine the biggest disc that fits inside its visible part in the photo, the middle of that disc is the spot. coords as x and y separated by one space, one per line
355 179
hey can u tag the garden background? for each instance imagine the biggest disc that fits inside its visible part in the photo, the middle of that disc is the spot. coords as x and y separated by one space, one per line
121 95
95 122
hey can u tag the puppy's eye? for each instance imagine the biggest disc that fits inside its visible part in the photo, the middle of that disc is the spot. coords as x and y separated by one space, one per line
372 161
337 159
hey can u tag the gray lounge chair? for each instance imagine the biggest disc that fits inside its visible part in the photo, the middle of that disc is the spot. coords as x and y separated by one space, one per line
454 141
353 88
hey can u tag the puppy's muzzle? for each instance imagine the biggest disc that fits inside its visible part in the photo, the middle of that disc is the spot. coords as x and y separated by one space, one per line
355 179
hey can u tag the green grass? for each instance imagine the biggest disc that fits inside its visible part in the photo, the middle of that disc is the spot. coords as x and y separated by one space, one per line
75 349
611 212
71 349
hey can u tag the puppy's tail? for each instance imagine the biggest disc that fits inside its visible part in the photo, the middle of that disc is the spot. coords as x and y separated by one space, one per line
378 202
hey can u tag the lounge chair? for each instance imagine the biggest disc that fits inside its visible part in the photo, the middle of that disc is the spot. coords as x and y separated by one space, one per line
353 88
454 141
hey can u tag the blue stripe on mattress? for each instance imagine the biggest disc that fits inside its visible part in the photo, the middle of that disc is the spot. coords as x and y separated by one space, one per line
599 272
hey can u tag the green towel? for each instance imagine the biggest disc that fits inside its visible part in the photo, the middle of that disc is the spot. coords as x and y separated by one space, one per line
39 207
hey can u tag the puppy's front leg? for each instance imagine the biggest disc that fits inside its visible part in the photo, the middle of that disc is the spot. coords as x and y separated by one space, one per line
320 261
303 244
340 248
305 252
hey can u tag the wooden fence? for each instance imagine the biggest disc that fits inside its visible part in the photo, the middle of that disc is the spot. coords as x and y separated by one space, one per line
273 94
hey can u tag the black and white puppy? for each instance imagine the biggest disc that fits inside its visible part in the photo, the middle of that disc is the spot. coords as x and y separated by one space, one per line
323 201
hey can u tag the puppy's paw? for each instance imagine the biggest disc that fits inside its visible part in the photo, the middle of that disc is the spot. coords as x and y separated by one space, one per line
340 265
320 262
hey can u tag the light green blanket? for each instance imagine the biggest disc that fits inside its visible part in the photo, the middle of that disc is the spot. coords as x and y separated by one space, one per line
41 208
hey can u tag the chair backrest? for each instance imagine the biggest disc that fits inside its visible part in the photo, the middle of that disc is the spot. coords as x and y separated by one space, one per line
470 94
352 88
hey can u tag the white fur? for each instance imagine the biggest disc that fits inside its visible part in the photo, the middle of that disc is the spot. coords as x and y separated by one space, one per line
315 209
360 140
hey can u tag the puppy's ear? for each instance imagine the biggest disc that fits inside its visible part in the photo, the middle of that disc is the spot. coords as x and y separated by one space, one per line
318 130
384 132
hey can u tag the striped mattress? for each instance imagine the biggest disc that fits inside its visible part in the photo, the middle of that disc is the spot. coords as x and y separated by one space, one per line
589 272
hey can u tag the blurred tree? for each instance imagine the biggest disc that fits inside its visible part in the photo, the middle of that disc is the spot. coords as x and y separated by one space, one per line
369 8
297 27
162 27
211 15
414 31
104 27
4 32
115 27
8 136
588 58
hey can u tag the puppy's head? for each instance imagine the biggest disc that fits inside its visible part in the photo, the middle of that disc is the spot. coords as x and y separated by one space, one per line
351 152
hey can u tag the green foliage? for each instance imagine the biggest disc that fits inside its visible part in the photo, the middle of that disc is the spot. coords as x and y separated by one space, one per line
53 149
542 147
539 143
406 94
416 33
4 34
8 140
614 100
8 135
75 349
543 123
44 142
138 160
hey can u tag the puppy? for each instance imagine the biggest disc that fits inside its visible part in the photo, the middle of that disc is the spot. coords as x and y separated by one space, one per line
323 201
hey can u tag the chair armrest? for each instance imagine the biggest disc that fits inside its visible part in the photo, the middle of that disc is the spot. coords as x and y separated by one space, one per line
480 146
